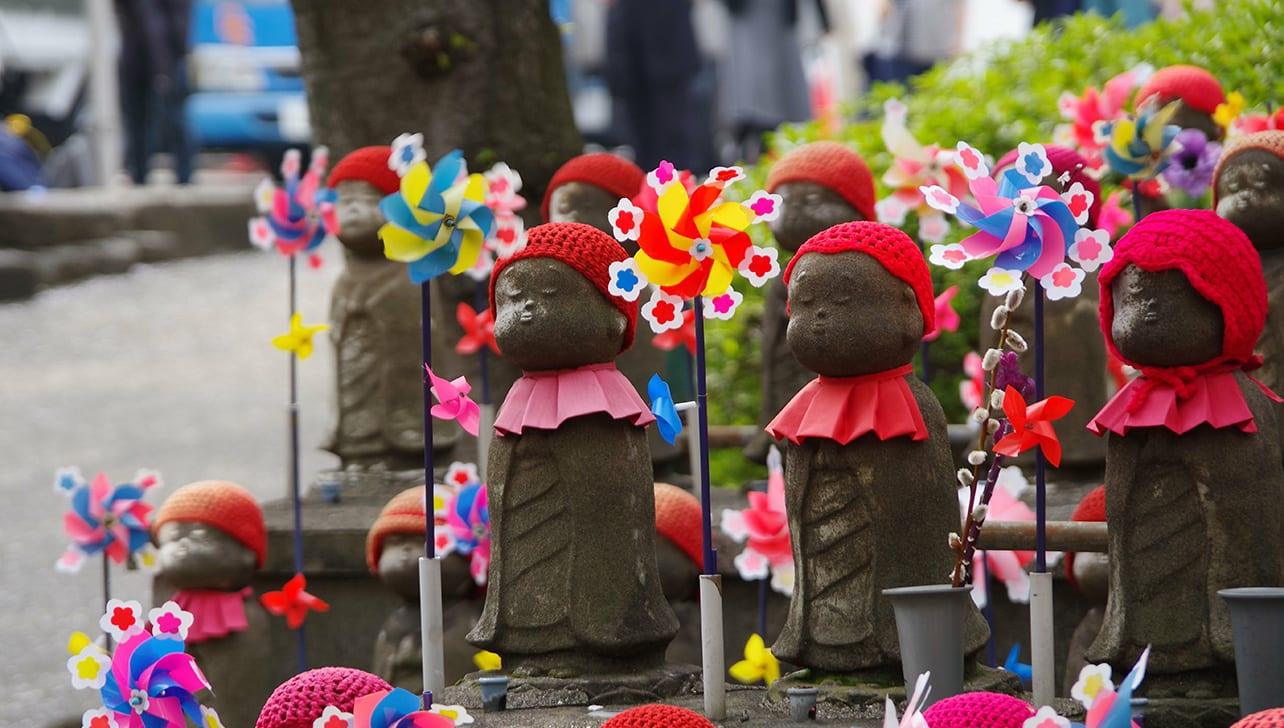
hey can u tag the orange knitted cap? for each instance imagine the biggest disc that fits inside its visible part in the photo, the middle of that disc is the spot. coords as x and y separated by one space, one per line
221 504
1092 509
677 518
1197 87
831 165
403 514
367 164
657 715
616 175
585 249
1267 141
1272 718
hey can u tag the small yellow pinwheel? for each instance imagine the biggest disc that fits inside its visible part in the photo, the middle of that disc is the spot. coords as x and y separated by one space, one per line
759 664
487 660
298 340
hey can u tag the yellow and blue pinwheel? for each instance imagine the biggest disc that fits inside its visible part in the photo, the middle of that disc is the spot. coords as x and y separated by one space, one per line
1140 148
438 220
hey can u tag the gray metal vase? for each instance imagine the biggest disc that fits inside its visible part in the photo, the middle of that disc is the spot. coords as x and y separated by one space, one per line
929 626
1257 624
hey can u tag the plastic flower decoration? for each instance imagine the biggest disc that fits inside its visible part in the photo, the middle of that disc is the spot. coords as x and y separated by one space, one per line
438 220
488 661
298 340
469 518
765 528
479 330
1023 224
293 602
170 621
1139 147
947 319
396 708
758 665
1093 680
1193 163
913 708
1007 567
1111 709
210 719
508 236
297 217
913 167
692 244
89 664
1093 107
1032 425
453 402
104 518
663 407
122 619
1046 717
332 717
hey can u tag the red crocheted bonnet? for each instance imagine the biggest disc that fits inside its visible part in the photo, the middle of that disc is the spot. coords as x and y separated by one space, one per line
1267 141
299 701
616 175
403 514
831 165
978 710
1065 160
1197 87
1092 509
584 248
657 715
1216 257
677 518
221 504
1272 718
367 164
893 249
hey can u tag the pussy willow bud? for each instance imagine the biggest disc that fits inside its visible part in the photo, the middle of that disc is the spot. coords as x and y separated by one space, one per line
1014 299
999 318
956 543
965 477
996 399
979 512
980 414
1016 342
991 360
976 457
992 426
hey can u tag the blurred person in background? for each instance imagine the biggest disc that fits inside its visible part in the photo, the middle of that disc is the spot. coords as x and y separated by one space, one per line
914 36
1134 12
153 83
1045 10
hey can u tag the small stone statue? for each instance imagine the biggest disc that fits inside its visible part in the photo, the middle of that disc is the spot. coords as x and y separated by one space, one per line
870 489
821 185
573 584
393 547
1194 485
584 190
1075 354
1089 574
1248 190
374 314
212 539
1196 90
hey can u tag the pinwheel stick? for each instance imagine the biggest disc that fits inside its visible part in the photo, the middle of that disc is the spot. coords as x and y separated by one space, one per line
1040 465
292 410
430 617
106 590
711 635
702 409
1041 638
481 302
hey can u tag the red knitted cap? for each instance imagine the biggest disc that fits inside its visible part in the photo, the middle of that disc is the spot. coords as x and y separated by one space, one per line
677 518
978 710
1267 141
367 164
616 175
831 165
403 514
1092 509
299 701
1197 87
657 715
1216 257
221 504
893 249
584 248
1272 718
1065 160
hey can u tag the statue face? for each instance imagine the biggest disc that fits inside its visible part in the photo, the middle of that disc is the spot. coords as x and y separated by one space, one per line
548 316
849 316
1092 572
806 209
1162 321
359 218
399 568
199 556
582 202
1191 118
1250 193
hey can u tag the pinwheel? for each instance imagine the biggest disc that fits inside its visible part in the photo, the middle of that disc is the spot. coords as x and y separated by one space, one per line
665 410
469 518
293 602
758 665
913 708
295 218
1108 708
914 166
397 708
109 519
298 340
438 220
1032 425
453 402
488 661
1093 107
479 330
947 319
764 528
1139 147
152 684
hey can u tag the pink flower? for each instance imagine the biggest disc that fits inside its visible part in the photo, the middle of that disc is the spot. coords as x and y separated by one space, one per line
763 525
1113 216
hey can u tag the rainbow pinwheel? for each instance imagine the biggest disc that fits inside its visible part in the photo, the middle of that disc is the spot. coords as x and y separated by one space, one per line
665 410
914 166
400 708
1139 147
297 217
152 683
104 518
1093 107
469 517
1025 225
454 402
438 221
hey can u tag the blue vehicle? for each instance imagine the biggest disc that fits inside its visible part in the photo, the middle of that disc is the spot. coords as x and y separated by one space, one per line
246 92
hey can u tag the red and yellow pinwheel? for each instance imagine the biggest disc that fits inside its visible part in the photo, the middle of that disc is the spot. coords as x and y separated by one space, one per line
695 244
1032 425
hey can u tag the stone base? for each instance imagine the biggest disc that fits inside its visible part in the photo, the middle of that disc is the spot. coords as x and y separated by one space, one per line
1190 712
657 684
871 687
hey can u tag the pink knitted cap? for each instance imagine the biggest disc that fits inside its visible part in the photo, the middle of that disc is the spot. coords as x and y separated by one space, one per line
978 710
299 701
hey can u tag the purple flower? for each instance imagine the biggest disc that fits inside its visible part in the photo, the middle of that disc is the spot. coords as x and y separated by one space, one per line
1009 373
1192 165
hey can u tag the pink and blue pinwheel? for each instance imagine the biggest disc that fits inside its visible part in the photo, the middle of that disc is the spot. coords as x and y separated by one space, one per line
152 684
1108 708
469 520
664 409
297 217
764 528
397 708
104 518
454 402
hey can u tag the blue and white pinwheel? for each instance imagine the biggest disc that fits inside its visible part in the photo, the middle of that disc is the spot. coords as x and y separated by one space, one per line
438 220
666 414
104 518
1141 147
295 218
